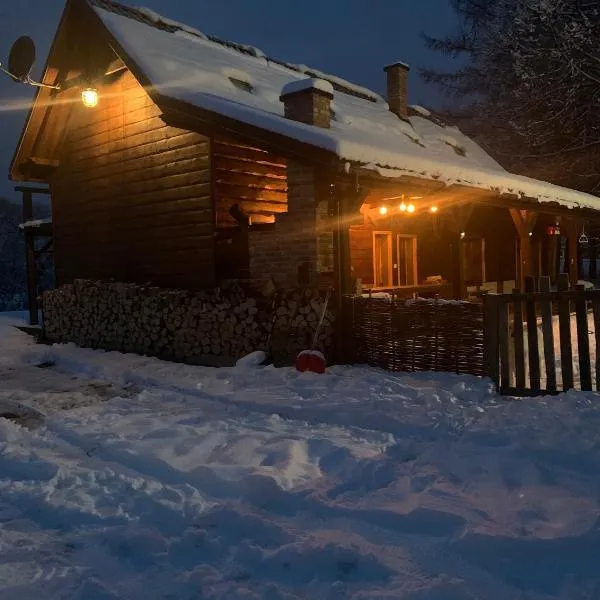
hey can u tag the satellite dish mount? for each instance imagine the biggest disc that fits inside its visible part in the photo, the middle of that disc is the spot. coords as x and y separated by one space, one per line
20 63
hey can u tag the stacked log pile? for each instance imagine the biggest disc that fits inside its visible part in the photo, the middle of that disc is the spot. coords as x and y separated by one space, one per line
230 321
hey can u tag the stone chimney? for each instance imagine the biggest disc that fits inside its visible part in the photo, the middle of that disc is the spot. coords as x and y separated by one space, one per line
308 101
397 88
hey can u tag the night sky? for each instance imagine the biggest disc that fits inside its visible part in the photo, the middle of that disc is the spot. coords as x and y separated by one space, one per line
351 38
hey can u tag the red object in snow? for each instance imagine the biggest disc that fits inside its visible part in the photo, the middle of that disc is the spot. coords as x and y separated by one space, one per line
310 360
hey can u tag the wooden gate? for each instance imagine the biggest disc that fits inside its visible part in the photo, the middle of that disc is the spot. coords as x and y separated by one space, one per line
542 341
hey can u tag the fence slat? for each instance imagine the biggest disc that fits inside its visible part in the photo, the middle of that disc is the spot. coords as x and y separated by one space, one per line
564 330
583 342
547 333
596 309
532 335
491 355
503 340
519 341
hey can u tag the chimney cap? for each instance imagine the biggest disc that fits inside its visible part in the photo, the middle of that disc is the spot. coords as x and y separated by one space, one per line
301 86
398 63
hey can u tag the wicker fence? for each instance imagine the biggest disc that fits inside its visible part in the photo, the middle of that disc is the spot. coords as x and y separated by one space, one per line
418 335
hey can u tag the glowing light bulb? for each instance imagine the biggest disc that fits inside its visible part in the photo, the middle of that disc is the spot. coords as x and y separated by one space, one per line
383 210
462 235
402 207
410 208
433 209
89 97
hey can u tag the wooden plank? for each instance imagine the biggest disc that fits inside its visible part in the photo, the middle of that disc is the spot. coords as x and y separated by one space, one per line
134 163
151 145
243 192
159 203
244 165
191 169
519 339
107 145
245 180
532 335
564 328
596 311
583 342
545 302
32 279
503 342
491 354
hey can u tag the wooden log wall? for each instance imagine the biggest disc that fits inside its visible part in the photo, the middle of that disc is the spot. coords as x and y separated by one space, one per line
132 197
226 322
250 177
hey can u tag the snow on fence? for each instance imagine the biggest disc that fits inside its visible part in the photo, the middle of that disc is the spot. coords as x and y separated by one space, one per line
418 335
543 341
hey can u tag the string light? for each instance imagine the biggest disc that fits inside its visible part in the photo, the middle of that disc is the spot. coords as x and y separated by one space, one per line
402 207
383 210
462 235
433 209
410 208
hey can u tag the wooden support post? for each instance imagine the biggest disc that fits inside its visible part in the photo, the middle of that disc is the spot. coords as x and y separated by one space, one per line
564 330
524 220
571 227
547 333
32 278
491 349
343 274
532 334
30 261
460 216
583 340
593 254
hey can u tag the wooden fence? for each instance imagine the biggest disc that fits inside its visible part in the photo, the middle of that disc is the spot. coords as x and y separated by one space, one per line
532 338
417 335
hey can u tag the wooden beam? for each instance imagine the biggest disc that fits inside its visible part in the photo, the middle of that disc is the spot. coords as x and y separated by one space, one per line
524 221
571 228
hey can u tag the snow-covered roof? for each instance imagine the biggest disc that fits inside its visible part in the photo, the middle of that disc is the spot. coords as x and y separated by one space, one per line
242 83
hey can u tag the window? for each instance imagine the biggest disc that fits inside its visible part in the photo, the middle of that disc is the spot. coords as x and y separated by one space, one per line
382 259
242 85
406 259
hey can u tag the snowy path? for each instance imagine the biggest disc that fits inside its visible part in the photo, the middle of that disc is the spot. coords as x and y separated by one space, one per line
263 483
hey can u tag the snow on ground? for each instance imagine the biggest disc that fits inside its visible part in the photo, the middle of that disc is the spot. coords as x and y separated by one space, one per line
144 479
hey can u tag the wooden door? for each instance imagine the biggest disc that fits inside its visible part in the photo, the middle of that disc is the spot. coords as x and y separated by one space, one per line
382 259
406 259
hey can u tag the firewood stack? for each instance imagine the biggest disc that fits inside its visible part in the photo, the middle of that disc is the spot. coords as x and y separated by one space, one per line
230 321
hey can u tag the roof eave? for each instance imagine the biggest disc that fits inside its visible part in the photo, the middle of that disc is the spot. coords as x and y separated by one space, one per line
14 173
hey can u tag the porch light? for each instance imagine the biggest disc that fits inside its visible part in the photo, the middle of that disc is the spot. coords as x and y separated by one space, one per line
433 209
402 207
530 233
410 208
462 235
383 210
89 97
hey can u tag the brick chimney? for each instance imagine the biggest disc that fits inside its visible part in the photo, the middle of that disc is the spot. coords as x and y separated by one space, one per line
308 101
397 88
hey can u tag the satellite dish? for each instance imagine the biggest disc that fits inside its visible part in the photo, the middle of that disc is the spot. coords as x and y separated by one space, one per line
21 58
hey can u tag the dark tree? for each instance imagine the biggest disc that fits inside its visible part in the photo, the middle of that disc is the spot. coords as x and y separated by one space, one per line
528 84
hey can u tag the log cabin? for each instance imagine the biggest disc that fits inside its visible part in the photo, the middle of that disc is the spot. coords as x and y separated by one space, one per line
179 159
